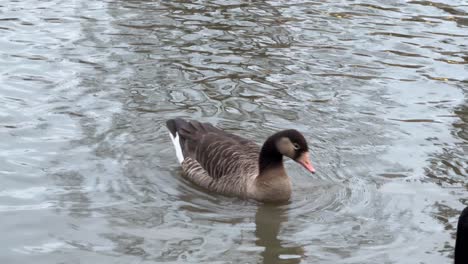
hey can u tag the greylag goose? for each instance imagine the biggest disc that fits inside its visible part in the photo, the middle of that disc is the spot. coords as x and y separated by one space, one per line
231 165
461 244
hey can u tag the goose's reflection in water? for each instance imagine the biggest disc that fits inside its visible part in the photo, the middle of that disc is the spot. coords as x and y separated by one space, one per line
268 220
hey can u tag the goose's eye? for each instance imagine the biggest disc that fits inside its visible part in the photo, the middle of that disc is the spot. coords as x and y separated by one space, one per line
296 146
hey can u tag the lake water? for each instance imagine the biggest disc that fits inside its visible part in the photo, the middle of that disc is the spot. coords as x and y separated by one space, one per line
88 173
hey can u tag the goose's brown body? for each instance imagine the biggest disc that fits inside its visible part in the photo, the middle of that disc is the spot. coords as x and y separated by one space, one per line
229 164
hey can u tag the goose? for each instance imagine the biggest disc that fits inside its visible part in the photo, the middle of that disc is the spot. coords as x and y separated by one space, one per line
234 166
461 243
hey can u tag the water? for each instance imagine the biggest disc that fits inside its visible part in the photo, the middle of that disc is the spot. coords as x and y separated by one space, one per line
88 173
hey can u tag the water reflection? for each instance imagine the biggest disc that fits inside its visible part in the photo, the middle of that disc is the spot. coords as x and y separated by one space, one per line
268 220
447 166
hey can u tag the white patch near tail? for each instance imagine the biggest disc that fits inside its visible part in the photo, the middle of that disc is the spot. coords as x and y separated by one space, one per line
178 148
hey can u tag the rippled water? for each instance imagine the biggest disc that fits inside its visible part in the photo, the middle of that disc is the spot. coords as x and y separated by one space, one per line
88 173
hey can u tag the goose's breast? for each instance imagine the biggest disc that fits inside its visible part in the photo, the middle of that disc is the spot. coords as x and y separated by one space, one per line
271 190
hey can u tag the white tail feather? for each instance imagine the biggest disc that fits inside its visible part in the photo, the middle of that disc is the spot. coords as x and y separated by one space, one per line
178 148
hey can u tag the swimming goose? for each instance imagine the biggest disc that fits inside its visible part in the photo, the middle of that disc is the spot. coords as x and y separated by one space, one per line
461 244
231 165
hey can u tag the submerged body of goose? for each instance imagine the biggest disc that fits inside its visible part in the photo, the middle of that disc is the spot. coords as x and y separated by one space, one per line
231 165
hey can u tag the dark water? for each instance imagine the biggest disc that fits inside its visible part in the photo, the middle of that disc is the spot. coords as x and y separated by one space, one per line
88 173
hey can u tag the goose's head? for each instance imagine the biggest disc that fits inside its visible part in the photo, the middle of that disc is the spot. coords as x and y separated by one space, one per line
293 145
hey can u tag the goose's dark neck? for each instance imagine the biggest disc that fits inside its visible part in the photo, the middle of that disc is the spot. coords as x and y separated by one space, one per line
461 254
270 157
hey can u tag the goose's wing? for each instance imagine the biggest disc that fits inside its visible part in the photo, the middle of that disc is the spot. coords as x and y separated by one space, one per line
196 173
219 153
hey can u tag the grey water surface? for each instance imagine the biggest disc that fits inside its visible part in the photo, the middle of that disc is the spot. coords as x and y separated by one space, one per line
88 173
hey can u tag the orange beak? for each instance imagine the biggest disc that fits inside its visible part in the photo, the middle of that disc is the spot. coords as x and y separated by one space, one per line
304 160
